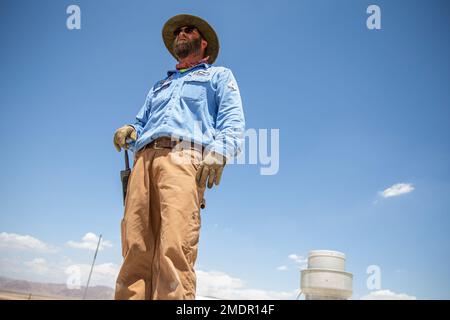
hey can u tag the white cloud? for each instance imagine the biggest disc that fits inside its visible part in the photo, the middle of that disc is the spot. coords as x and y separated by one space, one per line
223 286
282 268
38 265
24 242
104 274
89 242
38 269
300 260
296 258
387 295
42 270
397 190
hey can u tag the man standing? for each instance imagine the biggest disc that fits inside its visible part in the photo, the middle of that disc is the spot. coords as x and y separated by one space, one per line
191 123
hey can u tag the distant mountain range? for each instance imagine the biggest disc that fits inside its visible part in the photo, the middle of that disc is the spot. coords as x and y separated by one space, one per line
54 290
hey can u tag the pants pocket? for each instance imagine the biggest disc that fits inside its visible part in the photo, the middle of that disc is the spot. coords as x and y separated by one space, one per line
196 158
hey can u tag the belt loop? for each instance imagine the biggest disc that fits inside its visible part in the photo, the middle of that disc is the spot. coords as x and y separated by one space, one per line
155 145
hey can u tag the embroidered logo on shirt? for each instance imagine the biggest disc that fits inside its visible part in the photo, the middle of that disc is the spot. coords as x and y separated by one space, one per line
201 73
232 85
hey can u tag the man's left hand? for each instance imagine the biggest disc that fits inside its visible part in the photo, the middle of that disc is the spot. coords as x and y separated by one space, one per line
210 170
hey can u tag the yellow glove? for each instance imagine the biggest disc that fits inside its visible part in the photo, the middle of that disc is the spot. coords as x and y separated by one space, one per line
210 169
122 134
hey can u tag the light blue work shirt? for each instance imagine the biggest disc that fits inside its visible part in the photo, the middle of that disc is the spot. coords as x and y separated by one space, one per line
202 104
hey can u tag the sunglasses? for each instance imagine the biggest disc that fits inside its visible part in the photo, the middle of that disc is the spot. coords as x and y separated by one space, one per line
187 30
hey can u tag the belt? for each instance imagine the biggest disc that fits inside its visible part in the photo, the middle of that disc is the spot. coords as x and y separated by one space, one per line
167 142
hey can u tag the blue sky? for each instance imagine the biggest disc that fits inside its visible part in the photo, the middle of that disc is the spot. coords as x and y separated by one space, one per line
358 111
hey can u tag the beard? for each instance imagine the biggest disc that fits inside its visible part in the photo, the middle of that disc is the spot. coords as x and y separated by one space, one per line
185 48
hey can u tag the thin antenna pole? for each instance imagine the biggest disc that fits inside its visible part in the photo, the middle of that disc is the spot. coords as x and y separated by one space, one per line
92 268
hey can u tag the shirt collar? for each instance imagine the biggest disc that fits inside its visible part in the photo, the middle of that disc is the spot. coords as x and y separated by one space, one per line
186 66
200 65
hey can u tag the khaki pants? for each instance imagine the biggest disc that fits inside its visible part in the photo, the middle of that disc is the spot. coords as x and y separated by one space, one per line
161 225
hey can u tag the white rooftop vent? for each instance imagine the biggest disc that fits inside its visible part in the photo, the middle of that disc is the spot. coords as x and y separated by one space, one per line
325 278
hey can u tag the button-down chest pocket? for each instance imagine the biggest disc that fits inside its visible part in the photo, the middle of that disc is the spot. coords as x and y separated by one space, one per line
195 87
161 92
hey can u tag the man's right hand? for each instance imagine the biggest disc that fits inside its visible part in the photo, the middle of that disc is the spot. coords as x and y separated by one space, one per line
122 134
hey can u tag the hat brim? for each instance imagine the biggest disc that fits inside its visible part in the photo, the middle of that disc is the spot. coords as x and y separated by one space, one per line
208 33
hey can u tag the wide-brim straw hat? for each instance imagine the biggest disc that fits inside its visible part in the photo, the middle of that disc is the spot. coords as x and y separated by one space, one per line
207 32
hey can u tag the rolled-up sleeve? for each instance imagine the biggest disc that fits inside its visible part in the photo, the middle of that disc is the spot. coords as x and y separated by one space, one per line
230 121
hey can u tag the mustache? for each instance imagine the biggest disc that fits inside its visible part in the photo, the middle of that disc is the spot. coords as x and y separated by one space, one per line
183 47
